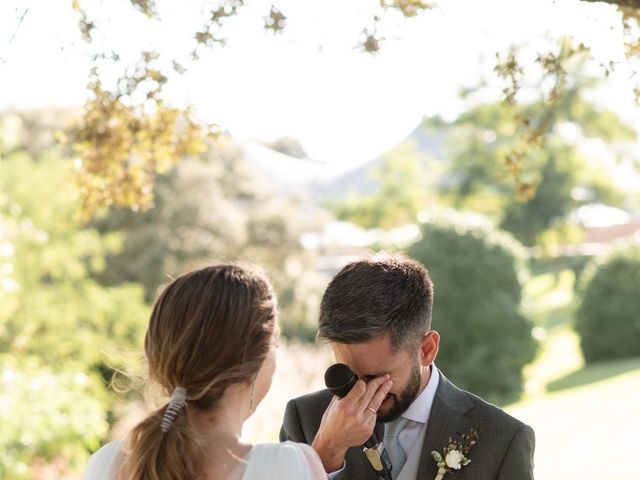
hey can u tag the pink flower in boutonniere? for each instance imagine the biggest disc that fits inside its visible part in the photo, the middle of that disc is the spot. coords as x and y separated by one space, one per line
454 455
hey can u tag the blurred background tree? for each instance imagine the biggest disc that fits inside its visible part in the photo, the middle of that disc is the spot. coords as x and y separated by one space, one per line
562 176
460 164
607 319
477 273
212 209
400 190
59 328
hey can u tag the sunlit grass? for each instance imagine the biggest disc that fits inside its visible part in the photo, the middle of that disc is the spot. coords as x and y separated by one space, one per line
582 432
585 416
548 299
558 355
593 373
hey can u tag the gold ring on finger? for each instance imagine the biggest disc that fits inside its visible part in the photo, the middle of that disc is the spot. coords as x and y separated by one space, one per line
375 412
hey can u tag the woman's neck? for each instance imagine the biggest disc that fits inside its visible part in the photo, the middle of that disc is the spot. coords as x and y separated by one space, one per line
224 423
220 429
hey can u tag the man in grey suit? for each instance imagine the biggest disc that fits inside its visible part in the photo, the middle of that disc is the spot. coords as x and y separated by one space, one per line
376 314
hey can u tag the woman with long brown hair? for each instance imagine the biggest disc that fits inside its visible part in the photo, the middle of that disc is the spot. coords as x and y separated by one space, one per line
210 344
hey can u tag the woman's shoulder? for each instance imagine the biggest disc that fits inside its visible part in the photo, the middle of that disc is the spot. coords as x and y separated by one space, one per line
284 448
102 464
284 460
279 453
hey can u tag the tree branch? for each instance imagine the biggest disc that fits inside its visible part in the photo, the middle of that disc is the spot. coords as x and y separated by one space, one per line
19 24
620 3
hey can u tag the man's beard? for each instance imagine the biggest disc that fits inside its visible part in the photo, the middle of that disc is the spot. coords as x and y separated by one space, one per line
406 398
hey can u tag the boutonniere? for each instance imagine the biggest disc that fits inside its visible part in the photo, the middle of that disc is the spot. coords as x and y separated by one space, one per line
454 455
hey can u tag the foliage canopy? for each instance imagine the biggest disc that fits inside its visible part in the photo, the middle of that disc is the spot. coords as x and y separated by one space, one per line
55 319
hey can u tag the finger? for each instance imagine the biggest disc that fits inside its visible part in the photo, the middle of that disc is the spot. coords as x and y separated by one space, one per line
370 419
333 401
372 388
380 395
354 395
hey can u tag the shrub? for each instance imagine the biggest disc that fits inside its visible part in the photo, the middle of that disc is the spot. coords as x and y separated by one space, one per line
62 334
475 269
608 317
49 417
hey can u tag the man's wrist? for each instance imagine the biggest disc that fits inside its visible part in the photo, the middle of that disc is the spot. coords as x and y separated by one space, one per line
332 458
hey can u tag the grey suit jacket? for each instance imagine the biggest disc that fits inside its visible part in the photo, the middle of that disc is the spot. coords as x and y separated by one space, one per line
504 450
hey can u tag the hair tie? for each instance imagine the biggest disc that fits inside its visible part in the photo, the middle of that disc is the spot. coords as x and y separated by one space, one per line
176 404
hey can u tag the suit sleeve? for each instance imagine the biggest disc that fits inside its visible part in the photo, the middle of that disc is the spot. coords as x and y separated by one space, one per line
517 463
291 427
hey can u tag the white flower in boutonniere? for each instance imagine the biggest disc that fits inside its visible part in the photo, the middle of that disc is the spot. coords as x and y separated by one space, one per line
454 459
454 455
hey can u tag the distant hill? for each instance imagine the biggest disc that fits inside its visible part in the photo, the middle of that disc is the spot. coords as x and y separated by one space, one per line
426 142
285 173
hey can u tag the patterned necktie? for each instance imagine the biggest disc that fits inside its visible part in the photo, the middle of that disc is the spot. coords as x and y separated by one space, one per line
392 445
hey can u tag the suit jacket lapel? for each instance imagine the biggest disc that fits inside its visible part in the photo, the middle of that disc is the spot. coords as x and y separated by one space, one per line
446 418
379 431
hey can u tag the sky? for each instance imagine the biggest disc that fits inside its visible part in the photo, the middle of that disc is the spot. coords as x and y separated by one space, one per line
312 82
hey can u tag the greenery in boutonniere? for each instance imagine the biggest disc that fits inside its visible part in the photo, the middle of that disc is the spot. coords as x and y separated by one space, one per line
454 455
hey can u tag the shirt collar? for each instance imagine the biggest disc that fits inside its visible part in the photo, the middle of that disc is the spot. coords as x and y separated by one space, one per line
420 409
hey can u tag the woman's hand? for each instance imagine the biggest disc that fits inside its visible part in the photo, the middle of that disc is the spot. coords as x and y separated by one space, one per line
349 421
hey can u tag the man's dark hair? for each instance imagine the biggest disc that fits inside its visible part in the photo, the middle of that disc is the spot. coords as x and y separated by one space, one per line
383 293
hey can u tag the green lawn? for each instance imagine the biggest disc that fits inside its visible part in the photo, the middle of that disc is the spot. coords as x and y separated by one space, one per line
549 299
586 418
587 432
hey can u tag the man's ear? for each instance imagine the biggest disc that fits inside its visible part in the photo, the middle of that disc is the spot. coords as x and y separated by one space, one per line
429 347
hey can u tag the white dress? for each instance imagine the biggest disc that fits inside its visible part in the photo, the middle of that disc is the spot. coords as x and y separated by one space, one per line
265 461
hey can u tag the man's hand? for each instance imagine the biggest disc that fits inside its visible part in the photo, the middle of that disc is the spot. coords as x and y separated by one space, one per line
349 421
